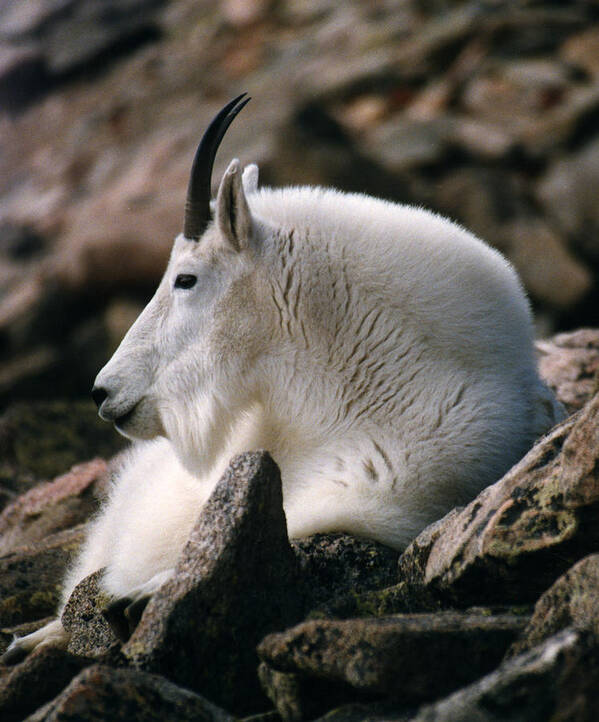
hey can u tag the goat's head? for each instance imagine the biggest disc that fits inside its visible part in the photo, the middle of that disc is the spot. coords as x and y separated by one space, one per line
196 334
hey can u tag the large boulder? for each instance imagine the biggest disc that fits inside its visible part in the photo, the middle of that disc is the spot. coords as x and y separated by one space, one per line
511 542
236 580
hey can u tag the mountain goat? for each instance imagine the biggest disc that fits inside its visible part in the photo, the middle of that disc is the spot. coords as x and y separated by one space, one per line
383 354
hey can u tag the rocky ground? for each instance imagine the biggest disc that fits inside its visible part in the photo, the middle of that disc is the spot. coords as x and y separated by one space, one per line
485 111
490 614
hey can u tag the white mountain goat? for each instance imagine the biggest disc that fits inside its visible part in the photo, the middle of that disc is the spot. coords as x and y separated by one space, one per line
381 353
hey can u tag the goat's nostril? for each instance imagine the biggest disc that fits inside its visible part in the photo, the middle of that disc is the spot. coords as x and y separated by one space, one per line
99 395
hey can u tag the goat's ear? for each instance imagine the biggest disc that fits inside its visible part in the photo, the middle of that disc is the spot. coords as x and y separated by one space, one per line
233 217
250 178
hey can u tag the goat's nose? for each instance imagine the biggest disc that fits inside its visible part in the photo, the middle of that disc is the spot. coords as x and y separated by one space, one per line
99 395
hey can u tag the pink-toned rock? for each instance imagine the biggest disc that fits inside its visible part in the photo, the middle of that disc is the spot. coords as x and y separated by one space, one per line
569 363
51 506
30 576
520 534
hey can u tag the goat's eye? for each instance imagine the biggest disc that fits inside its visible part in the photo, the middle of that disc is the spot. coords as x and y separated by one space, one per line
185 280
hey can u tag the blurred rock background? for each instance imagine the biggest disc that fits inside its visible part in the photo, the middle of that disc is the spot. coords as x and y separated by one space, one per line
486 111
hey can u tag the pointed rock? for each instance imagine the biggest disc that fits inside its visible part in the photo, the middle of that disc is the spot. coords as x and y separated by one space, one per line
236 581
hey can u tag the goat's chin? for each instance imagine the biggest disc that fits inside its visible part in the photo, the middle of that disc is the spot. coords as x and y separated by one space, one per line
141 423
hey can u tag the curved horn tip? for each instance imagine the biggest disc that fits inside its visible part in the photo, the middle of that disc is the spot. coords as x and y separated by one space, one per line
197 206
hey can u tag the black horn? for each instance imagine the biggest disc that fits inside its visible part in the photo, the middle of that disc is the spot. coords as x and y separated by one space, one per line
197 205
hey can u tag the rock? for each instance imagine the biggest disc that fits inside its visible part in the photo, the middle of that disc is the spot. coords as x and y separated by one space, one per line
41 439
565 125
82 617
582 50
7 634
521 533
30 577
401 144
333 566
297 697
548 269
348 577
569 363
38 679
103 693
374 712
408 657
514 93
483 199
572 601
565 192
68 36
20 242
557 680
401 598
51 507
236 581
22 74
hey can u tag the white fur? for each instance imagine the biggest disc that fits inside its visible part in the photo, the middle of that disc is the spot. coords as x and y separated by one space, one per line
381 353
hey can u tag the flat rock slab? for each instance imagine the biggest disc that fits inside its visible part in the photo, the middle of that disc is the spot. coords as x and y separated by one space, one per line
513 541
572 601
42 675
236 580
409 657
557 680
31 576
103 693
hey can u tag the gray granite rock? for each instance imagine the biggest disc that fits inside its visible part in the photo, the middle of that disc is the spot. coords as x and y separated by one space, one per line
90 633
236 580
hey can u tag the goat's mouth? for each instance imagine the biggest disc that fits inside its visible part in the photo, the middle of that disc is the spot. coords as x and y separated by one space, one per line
121 421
